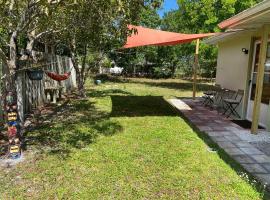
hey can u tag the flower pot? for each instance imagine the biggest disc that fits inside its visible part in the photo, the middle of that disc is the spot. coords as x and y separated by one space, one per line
36 75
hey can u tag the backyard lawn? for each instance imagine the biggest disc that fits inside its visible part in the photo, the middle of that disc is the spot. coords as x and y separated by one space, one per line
123 142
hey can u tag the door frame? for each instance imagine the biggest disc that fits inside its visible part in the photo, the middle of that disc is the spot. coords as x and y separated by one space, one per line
254 44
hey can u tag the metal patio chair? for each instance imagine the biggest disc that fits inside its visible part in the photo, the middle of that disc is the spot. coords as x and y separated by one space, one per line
225 93
231 104
209 96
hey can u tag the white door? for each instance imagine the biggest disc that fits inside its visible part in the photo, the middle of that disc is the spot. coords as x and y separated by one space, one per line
266 86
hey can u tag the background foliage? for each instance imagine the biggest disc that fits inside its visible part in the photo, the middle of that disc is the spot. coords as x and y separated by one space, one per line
193 16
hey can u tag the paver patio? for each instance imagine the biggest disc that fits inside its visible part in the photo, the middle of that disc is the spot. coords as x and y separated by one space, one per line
250 151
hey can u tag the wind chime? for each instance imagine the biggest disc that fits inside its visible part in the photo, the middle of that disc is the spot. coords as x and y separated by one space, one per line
13 126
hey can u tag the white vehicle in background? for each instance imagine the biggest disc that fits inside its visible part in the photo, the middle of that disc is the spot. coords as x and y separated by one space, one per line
116 70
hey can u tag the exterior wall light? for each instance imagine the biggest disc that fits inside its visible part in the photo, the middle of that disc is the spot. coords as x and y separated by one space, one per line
245 51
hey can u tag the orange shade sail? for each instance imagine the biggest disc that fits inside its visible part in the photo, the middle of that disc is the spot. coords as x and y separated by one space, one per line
151 37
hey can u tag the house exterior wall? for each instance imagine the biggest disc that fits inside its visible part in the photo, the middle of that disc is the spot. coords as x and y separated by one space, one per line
232 64
234 68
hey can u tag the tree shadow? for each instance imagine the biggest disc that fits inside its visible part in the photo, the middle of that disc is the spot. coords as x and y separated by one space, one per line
139 106
72 126
104 93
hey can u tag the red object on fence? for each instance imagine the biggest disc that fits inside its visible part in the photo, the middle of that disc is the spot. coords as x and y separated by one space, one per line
58 77
12 131
146 36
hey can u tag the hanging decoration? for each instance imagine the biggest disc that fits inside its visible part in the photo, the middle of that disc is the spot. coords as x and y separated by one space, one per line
58 77
35 74
13 126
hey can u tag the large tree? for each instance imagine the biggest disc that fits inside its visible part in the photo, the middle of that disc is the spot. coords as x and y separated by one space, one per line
80 25
95 26
21 23
141 57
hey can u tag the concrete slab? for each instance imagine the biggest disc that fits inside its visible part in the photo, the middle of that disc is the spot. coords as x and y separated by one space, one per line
234 151
251 151
261 159
226 144
254 168
244 159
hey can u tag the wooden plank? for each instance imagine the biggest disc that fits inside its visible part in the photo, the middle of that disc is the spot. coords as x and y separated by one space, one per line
195 68
250 62
20 105
33 92
260 78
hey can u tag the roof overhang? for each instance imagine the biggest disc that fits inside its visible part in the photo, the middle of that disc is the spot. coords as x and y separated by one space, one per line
253 17
228 35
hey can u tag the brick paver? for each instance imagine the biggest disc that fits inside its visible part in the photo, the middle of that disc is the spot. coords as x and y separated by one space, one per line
229 136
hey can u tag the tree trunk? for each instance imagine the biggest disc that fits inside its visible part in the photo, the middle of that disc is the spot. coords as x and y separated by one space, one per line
12 64
81 87
79 71
29 48
79 77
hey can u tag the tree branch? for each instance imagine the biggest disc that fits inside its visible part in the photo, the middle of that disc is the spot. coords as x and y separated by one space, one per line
40 35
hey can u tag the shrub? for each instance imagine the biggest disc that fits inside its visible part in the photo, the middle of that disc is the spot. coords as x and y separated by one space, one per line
162 72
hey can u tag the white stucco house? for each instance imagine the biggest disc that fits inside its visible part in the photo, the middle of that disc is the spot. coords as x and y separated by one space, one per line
244 61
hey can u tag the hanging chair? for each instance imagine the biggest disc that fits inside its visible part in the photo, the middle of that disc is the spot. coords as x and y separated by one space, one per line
58 77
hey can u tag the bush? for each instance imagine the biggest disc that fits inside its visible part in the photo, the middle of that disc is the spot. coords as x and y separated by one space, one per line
105 77
162 72
102 77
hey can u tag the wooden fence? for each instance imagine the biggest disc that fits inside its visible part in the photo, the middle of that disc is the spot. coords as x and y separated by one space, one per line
31 93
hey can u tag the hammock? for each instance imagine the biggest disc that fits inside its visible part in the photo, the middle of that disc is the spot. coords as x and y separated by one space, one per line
58 77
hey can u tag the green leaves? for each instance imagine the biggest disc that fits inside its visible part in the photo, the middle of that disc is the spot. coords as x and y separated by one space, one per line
200 16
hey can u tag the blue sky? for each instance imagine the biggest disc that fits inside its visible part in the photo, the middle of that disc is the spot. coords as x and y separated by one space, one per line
168 5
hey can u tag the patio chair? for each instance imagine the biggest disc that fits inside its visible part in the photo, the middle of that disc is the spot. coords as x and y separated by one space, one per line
208 97
216 101
219 104
233 103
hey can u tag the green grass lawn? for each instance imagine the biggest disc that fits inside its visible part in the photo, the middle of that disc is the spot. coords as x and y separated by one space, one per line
123 142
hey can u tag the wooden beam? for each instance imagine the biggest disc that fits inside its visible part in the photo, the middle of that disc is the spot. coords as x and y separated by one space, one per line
195 67
249 77
260 78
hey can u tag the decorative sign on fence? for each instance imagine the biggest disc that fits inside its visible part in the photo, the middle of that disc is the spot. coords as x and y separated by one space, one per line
13 126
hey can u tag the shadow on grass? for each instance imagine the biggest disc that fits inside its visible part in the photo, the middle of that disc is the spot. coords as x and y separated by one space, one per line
104 93
227 158
163 83
185 86
139 106
71 126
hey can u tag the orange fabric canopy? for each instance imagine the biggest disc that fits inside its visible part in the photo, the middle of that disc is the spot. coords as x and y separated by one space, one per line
152 37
